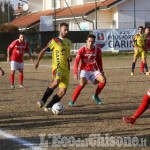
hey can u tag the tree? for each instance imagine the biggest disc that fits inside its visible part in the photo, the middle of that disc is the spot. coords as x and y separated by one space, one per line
6 12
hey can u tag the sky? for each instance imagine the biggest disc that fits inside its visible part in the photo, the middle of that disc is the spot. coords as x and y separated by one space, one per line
14 2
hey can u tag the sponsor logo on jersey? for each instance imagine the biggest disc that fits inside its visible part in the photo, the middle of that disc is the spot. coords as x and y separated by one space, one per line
68 43
59 74
57 59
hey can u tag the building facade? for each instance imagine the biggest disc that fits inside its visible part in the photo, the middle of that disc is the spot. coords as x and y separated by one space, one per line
88 15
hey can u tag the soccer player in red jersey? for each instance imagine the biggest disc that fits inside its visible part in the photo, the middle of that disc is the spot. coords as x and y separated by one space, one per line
143 107
1 72
91 63
18 47
148 48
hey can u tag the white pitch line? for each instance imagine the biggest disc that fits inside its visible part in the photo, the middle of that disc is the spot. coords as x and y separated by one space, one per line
124 67
20 141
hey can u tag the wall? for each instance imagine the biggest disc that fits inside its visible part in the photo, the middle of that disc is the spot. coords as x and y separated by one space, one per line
35 5
105 18
126 13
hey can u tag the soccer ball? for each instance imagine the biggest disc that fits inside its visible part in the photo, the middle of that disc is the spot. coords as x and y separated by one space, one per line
57 108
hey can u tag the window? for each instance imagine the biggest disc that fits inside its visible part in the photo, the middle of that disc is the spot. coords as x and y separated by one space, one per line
74 2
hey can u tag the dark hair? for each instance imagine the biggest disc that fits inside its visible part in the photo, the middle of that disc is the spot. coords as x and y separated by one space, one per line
64 24
91 36
21 33
140 27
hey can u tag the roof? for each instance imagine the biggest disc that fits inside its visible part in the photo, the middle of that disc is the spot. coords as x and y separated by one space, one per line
28 19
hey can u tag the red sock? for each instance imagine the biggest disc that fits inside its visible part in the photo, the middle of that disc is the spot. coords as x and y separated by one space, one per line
99 88
20 79
143 106
76 92
142 66
12 78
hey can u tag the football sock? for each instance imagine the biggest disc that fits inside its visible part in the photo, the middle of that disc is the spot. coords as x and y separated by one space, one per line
99 88
133 66
47 94
55 99
142 67
20 79
76 93
145 66
143 106
12 78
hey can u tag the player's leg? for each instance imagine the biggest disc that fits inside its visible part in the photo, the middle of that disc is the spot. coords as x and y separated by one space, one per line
56 75
77 91
142 67
63 85
136 53
21 78
143 107
20 68
102 81
56 98
143 56
12 75
12 78
84 77
48 92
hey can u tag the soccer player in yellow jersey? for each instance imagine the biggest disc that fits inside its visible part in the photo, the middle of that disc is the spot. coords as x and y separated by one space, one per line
60 48
139 43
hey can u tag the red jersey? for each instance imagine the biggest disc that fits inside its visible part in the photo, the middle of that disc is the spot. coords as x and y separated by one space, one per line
91 60
148 41
18 49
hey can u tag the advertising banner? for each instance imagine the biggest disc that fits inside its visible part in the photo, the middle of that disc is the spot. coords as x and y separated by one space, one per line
115 39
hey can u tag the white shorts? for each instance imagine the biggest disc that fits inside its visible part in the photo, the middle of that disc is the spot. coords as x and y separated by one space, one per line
90 75
16 65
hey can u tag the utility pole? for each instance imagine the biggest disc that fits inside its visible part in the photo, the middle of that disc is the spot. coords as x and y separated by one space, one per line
134 16
96 14
55 15
8 12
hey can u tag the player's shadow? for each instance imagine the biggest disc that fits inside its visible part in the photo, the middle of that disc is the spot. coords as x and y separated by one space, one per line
99 110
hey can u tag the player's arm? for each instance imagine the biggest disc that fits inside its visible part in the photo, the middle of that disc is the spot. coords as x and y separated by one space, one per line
49 47
134 43
28 51
10 47
30 57
70 57
76 63
39 57
8 55
1 72
145 45
99 60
